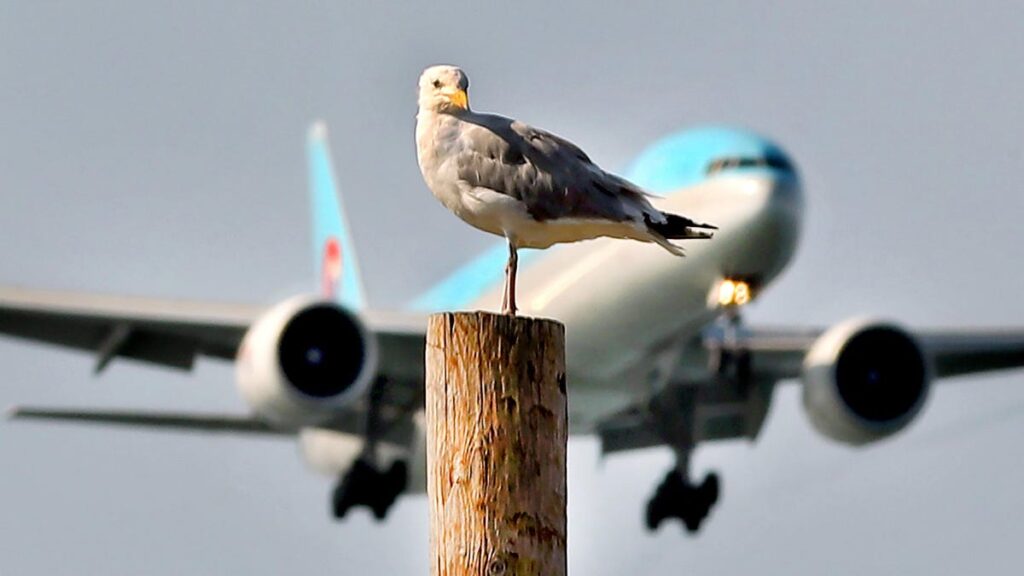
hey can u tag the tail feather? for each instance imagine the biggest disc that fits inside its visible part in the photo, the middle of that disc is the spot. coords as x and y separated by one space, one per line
661 241
676 227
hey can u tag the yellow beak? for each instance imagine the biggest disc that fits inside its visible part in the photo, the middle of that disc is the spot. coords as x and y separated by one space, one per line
459 99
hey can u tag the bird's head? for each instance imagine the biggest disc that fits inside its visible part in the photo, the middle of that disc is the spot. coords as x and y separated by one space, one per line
443 89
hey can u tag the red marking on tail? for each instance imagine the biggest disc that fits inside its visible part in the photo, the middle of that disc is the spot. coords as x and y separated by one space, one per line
330 269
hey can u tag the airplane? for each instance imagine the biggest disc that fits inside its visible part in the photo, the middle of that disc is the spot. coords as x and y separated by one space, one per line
657 353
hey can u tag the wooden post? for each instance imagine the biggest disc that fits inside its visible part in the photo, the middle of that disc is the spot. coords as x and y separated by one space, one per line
497 427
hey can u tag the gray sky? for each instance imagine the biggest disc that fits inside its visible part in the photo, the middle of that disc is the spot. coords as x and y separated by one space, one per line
158 149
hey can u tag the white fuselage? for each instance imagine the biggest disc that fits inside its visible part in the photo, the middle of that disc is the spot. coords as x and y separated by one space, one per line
622 300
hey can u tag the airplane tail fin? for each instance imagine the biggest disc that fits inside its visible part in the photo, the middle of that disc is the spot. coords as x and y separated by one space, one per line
334 256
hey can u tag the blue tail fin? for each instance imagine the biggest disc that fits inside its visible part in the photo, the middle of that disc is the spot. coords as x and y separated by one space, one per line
334 256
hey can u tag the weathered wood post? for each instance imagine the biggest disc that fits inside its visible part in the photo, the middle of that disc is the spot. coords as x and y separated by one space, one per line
497 427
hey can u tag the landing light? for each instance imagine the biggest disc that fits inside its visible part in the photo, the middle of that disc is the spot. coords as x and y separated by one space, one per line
733 293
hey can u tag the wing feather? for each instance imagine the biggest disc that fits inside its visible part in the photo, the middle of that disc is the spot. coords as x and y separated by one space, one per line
553 177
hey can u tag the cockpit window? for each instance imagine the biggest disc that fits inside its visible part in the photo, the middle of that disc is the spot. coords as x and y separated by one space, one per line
772 161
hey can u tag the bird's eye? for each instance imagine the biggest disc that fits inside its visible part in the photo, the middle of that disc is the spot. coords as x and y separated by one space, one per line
437 83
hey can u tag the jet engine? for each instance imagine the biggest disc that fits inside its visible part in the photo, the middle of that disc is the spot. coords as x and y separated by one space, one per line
303 360
864 380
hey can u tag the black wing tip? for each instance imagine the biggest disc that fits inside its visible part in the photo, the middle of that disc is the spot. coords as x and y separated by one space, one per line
676 227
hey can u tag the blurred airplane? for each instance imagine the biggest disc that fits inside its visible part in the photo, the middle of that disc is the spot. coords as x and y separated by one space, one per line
656 351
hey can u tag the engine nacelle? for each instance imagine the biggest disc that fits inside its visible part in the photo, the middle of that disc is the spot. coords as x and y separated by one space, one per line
864 380
303 360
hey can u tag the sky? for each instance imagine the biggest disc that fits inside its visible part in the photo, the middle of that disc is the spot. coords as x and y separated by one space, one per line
156 148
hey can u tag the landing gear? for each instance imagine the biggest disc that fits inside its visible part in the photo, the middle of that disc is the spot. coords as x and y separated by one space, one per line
679 413
367 483
727 358
364 485
676 497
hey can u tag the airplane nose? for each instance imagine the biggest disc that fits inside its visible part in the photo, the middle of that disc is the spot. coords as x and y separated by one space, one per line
781 220
786 195
763 238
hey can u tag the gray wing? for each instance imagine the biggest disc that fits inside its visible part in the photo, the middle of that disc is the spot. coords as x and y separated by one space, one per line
553 177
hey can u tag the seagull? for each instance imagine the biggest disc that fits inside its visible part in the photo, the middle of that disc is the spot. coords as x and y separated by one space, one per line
532 187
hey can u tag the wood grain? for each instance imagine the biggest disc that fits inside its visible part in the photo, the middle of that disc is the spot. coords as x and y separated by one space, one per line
497 427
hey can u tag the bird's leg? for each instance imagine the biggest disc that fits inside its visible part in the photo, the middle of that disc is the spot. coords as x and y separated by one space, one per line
513 265
504 292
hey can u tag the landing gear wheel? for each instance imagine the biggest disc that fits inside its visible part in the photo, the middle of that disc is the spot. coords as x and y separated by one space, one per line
392 484
676 497
380 510
339 504
364 485
655 513
709 489
692 523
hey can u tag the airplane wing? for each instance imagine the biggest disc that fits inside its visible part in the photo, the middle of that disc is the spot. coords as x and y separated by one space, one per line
173 333
347 421
960 352
174 421
779 353
723 411
165 332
